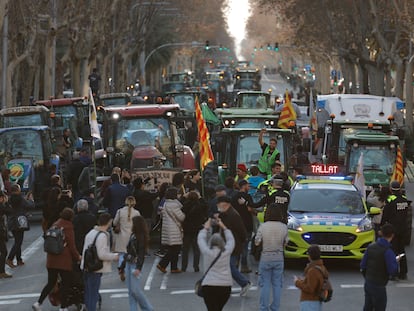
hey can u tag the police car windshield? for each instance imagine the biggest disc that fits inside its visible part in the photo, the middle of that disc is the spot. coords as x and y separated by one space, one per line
326 201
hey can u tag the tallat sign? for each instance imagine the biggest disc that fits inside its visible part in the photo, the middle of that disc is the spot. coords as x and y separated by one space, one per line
324 169
156 177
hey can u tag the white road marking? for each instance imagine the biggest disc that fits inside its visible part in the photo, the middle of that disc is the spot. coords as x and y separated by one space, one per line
164 281
29 251
19 296
151 274
404 285
10 302
352 285
119 295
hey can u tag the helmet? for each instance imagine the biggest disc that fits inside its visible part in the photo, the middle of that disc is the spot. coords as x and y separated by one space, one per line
395 185
278 179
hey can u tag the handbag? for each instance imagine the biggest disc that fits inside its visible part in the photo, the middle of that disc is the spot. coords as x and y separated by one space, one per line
198 288
22 223
92 262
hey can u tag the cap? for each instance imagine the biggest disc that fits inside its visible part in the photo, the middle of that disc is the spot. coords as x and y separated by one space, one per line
243 182
277 178
395 185
242 167
225 199
220 188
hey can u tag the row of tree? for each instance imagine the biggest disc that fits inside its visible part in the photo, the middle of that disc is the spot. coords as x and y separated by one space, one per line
370 41
53 44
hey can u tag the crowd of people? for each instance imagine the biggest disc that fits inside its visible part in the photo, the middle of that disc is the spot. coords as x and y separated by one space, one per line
219 229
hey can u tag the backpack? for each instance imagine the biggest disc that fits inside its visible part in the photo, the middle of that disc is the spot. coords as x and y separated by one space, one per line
326 291
91 262
54 240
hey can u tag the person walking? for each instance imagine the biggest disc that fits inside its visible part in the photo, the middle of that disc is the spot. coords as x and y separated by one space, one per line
61 265
395 213
122 228
311 284
133 262
145 201
273 236
19 207
92 280
218 280
234 222
171 232
115 195
83 222
377 266
195 210
5 210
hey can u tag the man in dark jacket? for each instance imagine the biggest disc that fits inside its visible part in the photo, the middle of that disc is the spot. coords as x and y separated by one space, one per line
145 201
83 222
395 213
232 220
74 170
377 266
115 195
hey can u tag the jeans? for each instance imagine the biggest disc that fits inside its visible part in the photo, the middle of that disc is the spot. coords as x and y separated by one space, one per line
270 276
190 240
92 284
235 273
310 305
171 256
245 252
136 294
16 250
375 297
65 290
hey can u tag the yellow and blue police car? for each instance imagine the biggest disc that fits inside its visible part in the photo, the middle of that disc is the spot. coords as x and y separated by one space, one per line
329 212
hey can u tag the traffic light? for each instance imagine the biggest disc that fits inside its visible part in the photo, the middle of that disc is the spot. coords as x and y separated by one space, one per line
276 46
269 47
207 46
255 49
221 48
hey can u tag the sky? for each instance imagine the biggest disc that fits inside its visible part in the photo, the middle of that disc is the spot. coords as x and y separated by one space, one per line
237 15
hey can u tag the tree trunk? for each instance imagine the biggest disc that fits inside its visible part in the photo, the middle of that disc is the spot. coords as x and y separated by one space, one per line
399 80
47 78
76 77
409 95
376 80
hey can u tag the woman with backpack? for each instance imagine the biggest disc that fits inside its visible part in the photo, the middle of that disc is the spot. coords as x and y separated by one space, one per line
61 264
133 262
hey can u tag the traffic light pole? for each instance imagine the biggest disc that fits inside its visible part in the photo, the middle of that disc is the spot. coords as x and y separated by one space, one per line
189 44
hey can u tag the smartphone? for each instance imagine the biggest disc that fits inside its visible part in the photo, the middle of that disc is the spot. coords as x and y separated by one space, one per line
398 257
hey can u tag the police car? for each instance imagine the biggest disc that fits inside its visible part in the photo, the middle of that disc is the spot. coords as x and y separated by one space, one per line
328 212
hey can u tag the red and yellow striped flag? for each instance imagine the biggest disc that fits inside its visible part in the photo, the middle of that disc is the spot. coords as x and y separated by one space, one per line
287 114
398 173
206 155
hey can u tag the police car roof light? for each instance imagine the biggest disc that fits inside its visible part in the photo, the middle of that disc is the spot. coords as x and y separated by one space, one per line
300 177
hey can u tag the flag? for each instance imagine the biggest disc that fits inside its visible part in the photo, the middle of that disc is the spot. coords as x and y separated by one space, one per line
398 173
208 115
359 181
206 155
287 114
93 120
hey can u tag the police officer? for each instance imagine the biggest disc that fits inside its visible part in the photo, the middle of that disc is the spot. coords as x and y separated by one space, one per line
278 197
395 213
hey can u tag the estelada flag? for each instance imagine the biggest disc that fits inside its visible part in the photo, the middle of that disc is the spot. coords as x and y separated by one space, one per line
398 173
287 114
206 155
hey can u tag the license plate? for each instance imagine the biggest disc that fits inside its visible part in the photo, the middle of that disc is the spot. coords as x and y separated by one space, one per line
331 248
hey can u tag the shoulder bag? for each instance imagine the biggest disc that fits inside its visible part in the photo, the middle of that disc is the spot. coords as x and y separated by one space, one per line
198 288
176 222
117 226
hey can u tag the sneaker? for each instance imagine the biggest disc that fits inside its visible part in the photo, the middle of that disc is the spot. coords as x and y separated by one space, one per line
245 289
36 306
10 263
20 263
163 270
196 269
5 275
176 271
402 277
159 253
